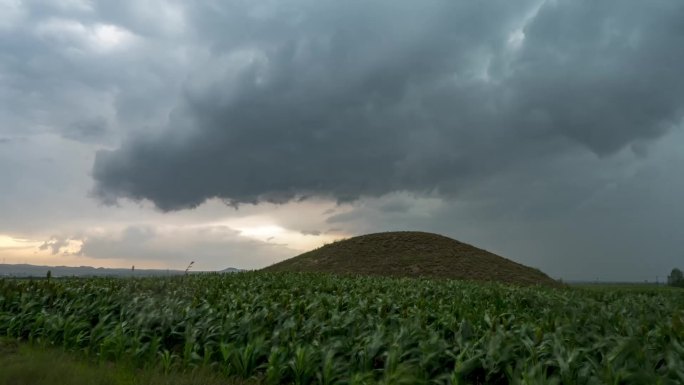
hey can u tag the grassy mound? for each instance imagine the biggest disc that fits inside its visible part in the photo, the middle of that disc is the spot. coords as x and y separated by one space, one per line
412 254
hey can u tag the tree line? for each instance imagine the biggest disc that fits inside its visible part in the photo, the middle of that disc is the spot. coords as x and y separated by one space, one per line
676 278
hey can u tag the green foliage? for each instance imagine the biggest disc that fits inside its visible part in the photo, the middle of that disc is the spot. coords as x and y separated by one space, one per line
278 328
676 278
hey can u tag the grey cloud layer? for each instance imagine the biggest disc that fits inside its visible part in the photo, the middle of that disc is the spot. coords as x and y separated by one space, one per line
551 122
79 70
349 99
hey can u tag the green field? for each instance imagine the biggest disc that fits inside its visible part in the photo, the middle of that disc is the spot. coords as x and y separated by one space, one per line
287 328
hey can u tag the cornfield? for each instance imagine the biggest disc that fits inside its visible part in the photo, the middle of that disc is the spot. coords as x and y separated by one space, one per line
279 328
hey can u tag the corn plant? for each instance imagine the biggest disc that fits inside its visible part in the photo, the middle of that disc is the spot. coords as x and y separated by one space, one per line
284 328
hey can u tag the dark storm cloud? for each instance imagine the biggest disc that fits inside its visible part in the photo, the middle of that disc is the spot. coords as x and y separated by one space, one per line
603 73
350 99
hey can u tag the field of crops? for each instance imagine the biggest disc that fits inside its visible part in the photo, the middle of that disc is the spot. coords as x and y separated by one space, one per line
306 329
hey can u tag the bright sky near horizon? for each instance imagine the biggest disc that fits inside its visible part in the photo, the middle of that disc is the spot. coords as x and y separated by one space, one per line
239 133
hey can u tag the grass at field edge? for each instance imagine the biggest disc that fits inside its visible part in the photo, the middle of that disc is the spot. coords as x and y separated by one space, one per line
24 364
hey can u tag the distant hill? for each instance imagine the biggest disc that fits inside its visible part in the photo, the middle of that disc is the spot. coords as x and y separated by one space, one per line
24 270
413 254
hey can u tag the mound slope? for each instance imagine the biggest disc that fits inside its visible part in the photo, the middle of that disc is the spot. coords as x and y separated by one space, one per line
412 254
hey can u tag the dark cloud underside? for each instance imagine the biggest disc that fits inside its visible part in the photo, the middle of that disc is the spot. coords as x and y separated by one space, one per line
356 98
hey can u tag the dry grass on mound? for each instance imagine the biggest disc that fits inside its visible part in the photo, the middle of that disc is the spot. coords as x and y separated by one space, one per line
413 254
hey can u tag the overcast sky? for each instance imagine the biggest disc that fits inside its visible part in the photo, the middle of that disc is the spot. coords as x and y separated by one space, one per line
242 132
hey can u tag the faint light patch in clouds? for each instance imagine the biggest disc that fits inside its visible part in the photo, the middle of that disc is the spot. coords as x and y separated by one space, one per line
154 245
9 242
516 37
288 224
98 37
264 229
18 250
109 36
167 246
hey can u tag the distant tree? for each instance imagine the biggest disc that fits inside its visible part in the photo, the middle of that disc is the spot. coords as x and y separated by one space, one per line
676 278
49 275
